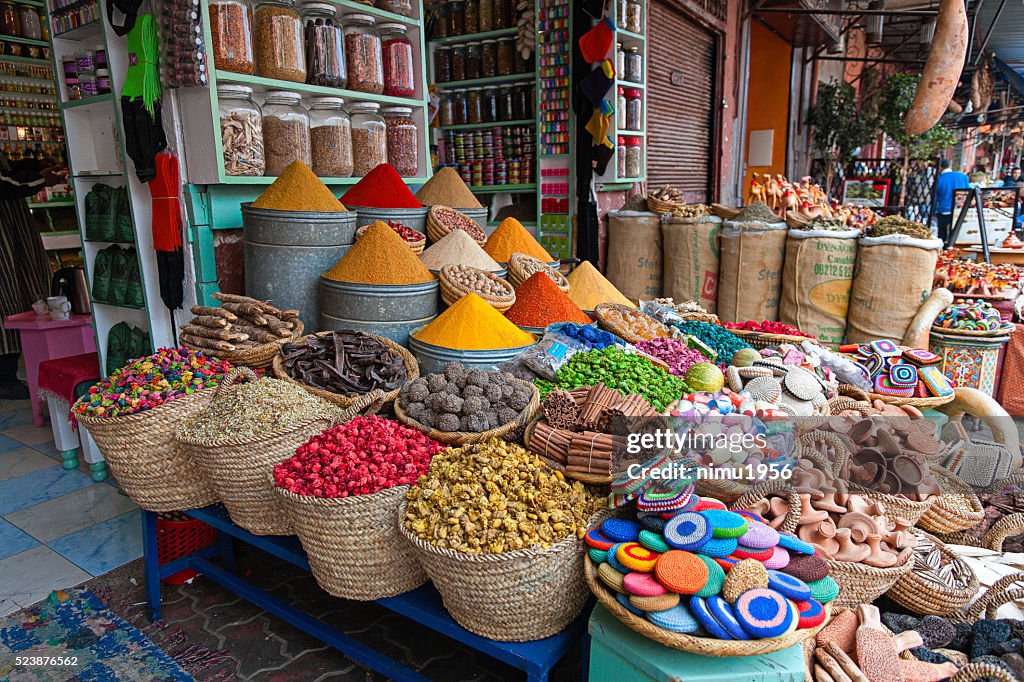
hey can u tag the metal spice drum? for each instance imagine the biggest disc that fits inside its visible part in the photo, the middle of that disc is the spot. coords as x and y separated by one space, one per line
391 311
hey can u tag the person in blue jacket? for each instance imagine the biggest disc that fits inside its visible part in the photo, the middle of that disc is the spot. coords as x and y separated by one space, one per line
942 204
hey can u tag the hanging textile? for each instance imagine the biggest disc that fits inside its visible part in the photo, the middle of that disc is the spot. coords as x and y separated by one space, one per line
167 241
140 99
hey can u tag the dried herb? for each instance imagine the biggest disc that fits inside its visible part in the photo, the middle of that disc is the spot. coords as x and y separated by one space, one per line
894 224
758 211
347 363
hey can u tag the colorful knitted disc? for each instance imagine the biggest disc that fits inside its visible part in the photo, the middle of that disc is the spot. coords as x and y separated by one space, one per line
665 495
653 541
792 626
699 609
598 556
807 567
758 554
681 572
610 577
764 613
636 557
719 547
716 577
613 559
598 541
795 544
663 602
750 516
643 585
726 562
780 559
624 600
723 613
620 530
824 590
812 613
788 586
759 536
676 619
688 531
707 503
653 522
727 524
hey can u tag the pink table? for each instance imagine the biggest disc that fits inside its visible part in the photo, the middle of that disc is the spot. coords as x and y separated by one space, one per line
43 339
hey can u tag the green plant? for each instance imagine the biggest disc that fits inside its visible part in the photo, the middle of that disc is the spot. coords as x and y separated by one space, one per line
839 124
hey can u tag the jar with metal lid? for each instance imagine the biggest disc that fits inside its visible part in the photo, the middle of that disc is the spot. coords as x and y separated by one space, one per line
403 140
501 14
634 157
446 109
325 45
10 24
473 61
620 109
399 67
522 107
241 130
441 21
285 130
369 137
471 17
403 7
475 106
330 136
490 104
634 109
363 55
489 58
44 25
231 28
522 63
280 53
506 103
634 16
506 56
442 64
486 16
456 18
634 68
28 17
458 63
620 157
460 107
620 60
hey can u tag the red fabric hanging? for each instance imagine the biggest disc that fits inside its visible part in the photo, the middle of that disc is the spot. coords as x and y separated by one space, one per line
165 189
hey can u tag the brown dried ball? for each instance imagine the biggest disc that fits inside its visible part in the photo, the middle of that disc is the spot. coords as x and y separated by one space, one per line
447 422
417 391
746 575
436 383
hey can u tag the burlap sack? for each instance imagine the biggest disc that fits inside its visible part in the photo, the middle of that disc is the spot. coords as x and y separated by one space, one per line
892 278
692 247
750 275
634 254
816 282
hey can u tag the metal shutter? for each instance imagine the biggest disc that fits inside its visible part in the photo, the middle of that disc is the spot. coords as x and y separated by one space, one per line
681 93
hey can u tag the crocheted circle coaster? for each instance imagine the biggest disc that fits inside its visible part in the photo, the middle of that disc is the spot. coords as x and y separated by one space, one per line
699 609
610 577
620 530
613 559
643 585
744 576
681 572
663 602
595 539
726 524
807 567
792 626
795 544
755 554
759 536
812 613
788 586
718 547
598 556
636 557
723 613
665 495
624 600
676 619
780 558
653 522
688 531
824 590
764 613
726 562
653 541
716 577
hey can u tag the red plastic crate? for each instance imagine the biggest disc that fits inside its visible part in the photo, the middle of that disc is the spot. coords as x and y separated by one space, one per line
178 535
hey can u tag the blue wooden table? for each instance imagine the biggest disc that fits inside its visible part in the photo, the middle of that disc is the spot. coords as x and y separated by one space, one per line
422 605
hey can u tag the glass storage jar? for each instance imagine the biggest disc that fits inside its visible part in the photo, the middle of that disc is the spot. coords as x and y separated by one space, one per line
506 104
522 106
634 157
489 58
486 16
280 53
28 17
634 109
620 61
634 16
442 64
325 46
285 130
475 106
460 107
471 17
440 21
403 7
369 137
446 109
241 130
506 56
403 140
634 67
456 18
232 33
620 108
473 61
620 157
399 69
330 137
501 14
10 24
458 63
490 104
363 55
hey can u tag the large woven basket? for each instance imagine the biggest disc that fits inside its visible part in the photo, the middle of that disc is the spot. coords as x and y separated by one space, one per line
919 403
972 672
957 508
1009 525
930 598
725 212
603 313
412 371
762 340
516 596
416 246
766 489
1004 590
436 229
154 470
354 546
468 437
658 206
452 291
863 584
704 646
259 356
896 506
521 267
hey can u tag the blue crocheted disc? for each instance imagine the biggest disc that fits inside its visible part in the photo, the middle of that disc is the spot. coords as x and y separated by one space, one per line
722 612
653 541
788 586
613 561
718 547
624 600
795 544
759 536
727 524
699 609
811 613
764 613
598 556
621 530
676 619
688 531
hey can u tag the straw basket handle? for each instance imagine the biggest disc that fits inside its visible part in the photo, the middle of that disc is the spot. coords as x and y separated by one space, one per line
980 671
368 403
1001 592
232 377
1002 529
807 449
767 488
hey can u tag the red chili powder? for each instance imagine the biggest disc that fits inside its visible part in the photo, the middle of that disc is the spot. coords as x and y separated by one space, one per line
382 187
539 302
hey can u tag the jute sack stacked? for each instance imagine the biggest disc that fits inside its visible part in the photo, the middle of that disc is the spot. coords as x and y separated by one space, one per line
750 274
635 254
691 259
893 277
816 282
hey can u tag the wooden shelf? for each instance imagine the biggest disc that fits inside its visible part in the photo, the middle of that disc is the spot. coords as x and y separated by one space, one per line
468 38
52 204
25 41
87 101
90 31
272 84
494 189
26 60
481 82
268 179
359 8
628 84
496 124
623 33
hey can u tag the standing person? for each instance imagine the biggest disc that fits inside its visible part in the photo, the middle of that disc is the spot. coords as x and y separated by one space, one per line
942 204
24 267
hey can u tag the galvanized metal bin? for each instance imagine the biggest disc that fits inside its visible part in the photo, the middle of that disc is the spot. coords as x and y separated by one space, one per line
433 358
388 310
416 218
285 252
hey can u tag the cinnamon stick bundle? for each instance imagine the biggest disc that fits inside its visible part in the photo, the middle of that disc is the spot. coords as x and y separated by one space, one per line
561 410
599 399
550 442
580 394
593 452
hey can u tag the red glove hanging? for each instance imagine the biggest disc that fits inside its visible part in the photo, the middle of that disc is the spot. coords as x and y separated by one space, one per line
165 189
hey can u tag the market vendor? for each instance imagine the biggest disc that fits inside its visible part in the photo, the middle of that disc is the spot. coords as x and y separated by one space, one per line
945 187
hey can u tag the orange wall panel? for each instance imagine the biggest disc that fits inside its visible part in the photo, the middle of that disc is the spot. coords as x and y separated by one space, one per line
768 97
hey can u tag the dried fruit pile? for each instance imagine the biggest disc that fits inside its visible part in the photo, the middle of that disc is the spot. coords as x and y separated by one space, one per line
348 363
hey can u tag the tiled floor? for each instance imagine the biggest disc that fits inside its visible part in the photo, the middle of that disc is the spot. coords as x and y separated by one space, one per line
58 528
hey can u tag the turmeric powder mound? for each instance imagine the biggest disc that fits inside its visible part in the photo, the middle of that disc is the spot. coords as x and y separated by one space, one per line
511 237
472 324
297 188
588 288
380 256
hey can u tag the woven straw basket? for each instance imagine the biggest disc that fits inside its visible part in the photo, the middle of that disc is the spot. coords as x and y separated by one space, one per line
259 356
1009 525
704 646
412 371
416 246
862 584
521 267
658 206
957 508
1003 591
354 546
982 671
436 229
896 506
765 489
452 291
602 313
762 340
919 403
516 596
154 470
930 598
